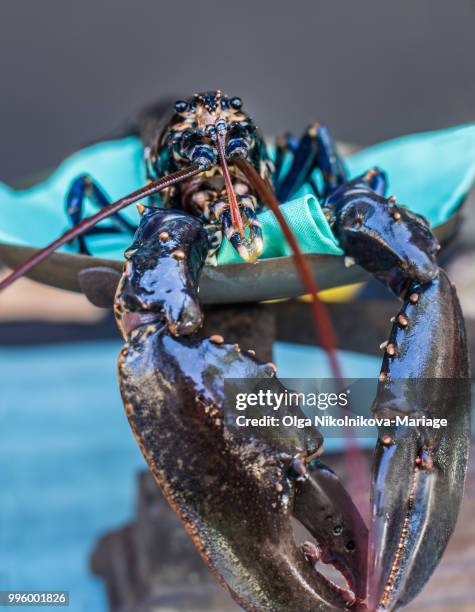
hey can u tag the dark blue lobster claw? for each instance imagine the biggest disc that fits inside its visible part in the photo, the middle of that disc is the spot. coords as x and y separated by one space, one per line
160 279
388 240
235 491
419 470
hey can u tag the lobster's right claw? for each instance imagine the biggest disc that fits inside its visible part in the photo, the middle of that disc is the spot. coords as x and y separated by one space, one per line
236 489
160 279
324 507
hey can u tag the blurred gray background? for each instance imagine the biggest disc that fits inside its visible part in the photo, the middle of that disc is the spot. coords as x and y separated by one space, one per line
71 72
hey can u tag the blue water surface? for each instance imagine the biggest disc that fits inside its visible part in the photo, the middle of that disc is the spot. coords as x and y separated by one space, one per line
68 461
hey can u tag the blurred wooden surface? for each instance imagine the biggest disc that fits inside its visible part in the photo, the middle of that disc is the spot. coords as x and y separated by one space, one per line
28 300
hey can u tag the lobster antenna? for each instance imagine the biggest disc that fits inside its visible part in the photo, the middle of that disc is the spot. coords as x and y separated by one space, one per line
233 205
104 213
321 319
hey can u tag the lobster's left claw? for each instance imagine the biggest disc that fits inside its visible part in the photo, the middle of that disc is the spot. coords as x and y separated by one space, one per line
420 466
416 499
419 469
386 239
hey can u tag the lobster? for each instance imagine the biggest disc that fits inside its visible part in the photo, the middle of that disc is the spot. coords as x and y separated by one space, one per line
236 492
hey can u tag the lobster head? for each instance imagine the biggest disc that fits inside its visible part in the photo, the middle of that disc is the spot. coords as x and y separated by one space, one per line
191 136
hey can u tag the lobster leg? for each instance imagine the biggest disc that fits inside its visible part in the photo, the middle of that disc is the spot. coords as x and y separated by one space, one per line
316 150
419 469
250 248
85 187
285 143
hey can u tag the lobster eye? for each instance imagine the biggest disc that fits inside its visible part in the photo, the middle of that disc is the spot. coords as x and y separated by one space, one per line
236 103
224 103
210 131
181 106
